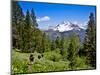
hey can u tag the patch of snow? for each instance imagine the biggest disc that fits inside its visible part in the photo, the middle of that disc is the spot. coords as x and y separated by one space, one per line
67 26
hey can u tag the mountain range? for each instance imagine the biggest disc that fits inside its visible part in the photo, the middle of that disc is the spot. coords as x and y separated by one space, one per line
65 29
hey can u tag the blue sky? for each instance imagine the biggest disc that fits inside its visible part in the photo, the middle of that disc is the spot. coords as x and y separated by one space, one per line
52 14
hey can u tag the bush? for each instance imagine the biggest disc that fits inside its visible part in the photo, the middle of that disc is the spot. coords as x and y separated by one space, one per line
81 63
52 55
48 66
19 62
51 61
19 66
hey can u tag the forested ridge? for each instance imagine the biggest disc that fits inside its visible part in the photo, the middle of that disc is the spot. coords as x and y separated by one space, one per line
61 54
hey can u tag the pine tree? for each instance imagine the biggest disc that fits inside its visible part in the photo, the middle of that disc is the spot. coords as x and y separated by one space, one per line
73 49
17 20
62 46
34 30
28 31
45 43
33 18
90 42
17 14
70 56
53 45
28 19
38 41
64 43
57 42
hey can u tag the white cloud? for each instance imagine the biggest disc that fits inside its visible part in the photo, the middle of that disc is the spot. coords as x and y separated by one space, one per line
43 19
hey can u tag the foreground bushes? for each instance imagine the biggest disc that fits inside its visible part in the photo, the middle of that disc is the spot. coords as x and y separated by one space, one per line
53 56
48 66
51 61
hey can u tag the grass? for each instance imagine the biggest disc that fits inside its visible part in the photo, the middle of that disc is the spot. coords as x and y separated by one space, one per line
51 61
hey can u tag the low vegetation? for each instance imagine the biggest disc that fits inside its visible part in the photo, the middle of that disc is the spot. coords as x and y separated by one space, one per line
51 61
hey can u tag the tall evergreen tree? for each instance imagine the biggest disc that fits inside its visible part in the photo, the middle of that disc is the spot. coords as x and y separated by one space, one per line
57 42
90 42
28 31
17 14
64 43
62 46
33 18
73 50
45 42
53 45
17 19
28 19
38 41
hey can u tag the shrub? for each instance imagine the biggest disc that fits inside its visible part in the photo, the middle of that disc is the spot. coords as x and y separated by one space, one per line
48 66
52 55
19 66
81 63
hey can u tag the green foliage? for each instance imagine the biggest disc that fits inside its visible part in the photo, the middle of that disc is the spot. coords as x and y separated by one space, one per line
64 44
19 66
53 45
45 43
57 42
73 49
90 42
53 56
34 23
26 36
81 63
17 20
45 64
19 62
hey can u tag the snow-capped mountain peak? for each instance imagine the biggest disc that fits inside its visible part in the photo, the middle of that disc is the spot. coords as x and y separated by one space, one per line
66 26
